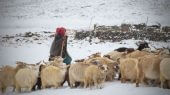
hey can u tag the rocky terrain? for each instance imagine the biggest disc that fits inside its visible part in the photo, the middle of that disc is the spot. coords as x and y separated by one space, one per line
127 31
26 38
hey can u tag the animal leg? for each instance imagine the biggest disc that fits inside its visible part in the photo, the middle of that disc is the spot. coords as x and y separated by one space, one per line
3 89
123 78
18 88
162 79
85 83
72 82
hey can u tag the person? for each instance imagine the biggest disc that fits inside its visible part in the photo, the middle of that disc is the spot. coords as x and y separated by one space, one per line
59 46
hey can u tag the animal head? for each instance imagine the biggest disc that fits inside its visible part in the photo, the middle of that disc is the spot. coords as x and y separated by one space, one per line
103 68
143 45
58 59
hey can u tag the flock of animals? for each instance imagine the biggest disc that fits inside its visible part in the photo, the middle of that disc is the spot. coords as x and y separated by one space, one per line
135 65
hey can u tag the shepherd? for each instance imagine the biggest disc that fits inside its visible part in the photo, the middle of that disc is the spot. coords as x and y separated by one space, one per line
59 46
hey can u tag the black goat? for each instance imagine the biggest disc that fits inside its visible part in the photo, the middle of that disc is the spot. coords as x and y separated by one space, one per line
123 49
128 50
142 46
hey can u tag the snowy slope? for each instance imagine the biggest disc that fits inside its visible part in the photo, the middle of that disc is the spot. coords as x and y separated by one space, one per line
33 15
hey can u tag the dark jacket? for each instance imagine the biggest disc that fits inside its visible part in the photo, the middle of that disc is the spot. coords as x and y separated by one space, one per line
57 46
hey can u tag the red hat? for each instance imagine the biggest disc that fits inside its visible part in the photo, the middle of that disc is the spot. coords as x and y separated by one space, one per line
61 31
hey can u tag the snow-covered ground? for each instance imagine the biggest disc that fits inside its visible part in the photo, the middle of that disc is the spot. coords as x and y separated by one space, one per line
110 88
18 16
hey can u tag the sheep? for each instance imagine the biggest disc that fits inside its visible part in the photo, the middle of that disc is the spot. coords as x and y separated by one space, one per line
149 68
150 65
124 52
129 70
115 55
7 76
110 63
34 67
165 72
27 77
76 73
95 74
52 76
58 61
